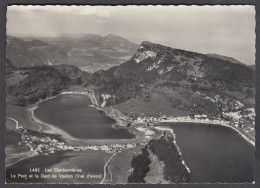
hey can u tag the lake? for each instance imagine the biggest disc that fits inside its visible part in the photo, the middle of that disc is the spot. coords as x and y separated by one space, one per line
214 153
90 162
72 113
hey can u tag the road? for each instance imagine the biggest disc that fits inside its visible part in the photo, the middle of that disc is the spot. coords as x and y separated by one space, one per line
106 168
16 122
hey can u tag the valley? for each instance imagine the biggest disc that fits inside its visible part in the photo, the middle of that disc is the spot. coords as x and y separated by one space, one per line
117 114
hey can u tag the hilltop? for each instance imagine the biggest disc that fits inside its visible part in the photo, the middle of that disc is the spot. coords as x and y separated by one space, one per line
28 85
161 80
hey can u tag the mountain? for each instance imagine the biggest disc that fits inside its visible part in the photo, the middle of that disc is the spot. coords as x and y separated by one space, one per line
231 59
78 36
162 80
28 85
75 75
23 53
108 42
37 83
90 52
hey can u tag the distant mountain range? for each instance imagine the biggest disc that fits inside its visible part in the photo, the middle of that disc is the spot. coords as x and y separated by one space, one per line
88 51
23 53
155 80
159 79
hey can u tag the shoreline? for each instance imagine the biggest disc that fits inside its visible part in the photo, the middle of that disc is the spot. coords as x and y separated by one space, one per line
45 127
52 129
117 120
175 143
211 123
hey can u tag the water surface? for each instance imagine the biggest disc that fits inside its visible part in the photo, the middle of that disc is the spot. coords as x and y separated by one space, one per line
214 153
72 113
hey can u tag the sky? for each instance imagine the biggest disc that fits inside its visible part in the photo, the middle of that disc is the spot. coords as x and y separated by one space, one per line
224 30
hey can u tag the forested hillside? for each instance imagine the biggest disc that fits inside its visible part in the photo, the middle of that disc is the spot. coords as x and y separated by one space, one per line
187 81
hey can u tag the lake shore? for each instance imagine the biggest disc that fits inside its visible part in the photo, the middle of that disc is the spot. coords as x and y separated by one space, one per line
142 133
175 143
117 117
212 123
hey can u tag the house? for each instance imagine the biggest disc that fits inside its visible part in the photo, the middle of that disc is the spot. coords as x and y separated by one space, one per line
201 116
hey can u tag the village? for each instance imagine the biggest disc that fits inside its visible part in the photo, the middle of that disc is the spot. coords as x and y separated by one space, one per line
244 124
143 124
47 145
240 120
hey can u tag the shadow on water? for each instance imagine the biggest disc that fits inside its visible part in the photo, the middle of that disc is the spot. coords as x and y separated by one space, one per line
214 153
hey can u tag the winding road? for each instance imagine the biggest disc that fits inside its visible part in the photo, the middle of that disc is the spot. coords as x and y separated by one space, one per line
17 160
25 154
106 167
30 114
16 122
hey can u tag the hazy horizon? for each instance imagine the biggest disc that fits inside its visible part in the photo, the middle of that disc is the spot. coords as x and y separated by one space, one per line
224 30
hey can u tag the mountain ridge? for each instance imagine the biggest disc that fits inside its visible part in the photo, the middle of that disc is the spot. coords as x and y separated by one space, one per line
32 52
194 80
89 51
231 59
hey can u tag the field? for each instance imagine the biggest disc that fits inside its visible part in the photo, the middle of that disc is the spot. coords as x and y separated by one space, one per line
120 165
13 151
155 175
157 104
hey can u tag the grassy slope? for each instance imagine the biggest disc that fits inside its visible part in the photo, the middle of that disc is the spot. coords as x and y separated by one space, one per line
121 164
158 104
155 175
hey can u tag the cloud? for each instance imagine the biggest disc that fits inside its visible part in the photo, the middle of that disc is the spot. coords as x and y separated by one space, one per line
227 30
63 9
